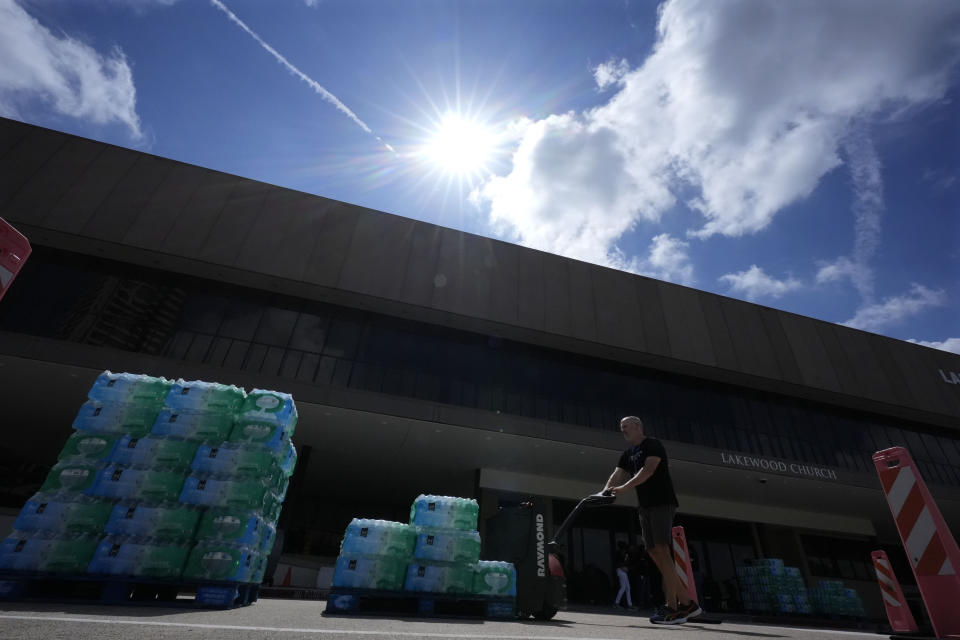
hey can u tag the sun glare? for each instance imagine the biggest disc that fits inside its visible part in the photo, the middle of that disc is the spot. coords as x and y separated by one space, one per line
460 146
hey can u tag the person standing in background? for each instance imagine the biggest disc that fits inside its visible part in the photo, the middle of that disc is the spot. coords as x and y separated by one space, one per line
623 568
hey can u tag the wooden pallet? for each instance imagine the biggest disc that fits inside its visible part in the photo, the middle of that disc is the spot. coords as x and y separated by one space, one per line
125 590
406 603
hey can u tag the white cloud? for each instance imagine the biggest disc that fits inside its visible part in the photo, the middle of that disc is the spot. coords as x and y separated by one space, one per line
669 259
63 73
747 104
754 283
567 191
610 72
950 344
897 308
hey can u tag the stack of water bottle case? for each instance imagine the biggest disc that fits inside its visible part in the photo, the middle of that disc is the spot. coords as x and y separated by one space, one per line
766 585
163 479
437 552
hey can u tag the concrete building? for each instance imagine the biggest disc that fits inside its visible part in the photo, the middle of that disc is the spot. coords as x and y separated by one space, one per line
428 360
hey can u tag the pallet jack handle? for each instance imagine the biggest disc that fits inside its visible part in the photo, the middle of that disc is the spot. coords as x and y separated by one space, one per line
593 500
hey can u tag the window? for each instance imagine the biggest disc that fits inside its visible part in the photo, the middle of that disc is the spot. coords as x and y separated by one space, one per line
186 318
203 314
343 339
839 557
276 326
309 333
240 320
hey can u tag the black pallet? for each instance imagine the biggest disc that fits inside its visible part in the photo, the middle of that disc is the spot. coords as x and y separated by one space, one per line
405 603
125 590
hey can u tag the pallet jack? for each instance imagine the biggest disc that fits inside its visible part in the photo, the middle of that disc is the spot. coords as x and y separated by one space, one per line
518 535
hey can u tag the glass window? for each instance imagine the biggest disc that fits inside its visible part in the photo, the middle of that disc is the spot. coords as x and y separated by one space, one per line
402 382
203 313
343 338
325 370
240 320
309 332
272 361
896 437
915 446
934 448
218 351
255 357
308 367
513 403
139 309
881 439
179 344
197 351
342 372
367 376
951 449
290 364
947 473
766 448
846 568
238 351
929 471
276 326
818 566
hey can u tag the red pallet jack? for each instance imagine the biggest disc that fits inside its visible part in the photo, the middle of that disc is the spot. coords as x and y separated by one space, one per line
932 551
518 535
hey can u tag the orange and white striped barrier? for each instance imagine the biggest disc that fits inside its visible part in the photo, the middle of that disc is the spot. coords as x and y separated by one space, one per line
898 612
681 562
933 553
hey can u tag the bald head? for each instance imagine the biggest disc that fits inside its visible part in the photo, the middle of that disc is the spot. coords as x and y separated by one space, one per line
632 429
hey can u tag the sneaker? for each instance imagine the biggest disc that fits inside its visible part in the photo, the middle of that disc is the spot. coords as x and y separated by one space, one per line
669 616
691 610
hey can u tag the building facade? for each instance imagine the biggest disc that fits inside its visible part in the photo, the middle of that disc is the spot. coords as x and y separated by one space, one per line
428 360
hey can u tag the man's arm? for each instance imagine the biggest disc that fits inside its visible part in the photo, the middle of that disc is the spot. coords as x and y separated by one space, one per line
649 466
618 476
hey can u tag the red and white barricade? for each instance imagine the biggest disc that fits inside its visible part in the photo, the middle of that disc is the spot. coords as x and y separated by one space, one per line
681 562
898 612
14 250
933 553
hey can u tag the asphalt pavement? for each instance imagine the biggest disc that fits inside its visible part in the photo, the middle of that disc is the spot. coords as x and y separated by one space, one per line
278 619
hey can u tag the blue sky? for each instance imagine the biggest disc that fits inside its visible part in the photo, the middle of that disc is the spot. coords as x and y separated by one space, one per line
800 155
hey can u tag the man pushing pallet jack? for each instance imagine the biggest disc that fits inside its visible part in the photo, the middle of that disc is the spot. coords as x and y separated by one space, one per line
644 467
518 535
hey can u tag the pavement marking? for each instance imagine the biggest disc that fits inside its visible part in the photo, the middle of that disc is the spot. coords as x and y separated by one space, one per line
418 634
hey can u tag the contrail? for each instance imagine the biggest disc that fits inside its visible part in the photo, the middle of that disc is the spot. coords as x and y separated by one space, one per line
326 95
867 208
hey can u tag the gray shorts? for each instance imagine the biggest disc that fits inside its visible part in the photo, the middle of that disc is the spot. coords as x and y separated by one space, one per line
656 525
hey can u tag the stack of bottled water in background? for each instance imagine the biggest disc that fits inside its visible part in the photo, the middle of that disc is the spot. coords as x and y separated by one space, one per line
162 479
438 551
768 586
832 597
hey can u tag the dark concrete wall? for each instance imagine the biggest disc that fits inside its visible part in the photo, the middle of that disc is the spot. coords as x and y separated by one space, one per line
96 198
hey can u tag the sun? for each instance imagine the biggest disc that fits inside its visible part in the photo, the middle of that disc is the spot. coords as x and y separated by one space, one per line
460 146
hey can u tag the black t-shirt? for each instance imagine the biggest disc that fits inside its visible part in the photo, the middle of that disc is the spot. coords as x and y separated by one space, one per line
658 489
